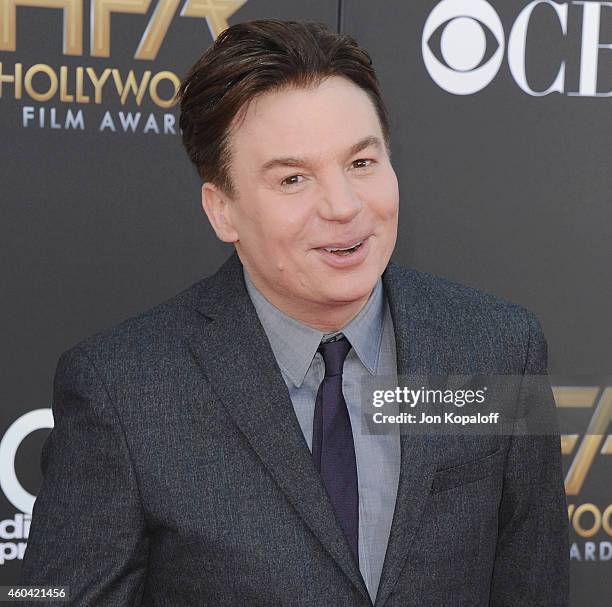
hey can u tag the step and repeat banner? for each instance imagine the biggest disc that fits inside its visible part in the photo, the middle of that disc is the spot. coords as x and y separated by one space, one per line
501 136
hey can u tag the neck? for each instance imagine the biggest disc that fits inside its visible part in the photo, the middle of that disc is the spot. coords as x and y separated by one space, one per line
327 317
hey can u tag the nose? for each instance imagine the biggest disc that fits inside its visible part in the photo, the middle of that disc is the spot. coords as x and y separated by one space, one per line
339 200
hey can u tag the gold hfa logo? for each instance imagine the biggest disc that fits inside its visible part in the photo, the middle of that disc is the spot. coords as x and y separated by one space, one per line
593 440
216 13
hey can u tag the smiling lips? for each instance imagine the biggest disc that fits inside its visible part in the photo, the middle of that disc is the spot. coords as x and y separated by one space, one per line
344 255
343 248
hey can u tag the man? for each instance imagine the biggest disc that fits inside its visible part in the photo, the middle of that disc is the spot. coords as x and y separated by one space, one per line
207 452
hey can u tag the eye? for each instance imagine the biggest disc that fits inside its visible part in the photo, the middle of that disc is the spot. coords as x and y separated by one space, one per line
287 183
367 166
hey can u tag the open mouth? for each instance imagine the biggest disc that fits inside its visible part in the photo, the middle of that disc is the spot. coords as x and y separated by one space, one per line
344 252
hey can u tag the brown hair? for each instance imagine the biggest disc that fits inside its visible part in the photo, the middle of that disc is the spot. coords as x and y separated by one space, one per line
253 57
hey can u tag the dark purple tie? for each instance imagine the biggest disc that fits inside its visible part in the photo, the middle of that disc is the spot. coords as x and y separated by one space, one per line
333 449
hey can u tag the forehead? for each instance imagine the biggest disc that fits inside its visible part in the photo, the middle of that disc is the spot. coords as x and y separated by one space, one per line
307 122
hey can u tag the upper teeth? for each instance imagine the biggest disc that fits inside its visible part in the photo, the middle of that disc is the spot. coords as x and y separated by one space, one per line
331 249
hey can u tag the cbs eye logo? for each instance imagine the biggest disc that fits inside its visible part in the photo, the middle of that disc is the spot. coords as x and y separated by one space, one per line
456 36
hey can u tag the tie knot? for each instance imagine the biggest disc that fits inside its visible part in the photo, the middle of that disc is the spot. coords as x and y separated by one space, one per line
334 353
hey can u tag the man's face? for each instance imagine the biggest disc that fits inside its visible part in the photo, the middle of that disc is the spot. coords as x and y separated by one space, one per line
311 173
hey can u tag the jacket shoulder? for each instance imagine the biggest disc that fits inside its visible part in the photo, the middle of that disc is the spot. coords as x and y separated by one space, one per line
150 331
455 298
465 319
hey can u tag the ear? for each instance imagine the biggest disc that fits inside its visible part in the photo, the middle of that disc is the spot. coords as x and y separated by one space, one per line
216 205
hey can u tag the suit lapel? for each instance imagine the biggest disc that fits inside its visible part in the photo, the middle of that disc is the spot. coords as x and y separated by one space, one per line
416 354
234 353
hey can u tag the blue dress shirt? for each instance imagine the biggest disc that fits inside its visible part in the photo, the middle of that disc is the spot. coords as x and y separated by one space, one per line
372 337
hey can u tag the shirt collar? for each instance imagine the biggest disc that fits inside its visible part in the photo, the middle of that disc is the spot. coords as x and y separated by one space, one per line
294 344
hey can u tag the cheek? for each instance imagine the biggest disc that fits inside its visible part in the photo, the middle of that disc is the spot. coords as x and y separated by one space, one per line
392 195
390 209
385 198
282 223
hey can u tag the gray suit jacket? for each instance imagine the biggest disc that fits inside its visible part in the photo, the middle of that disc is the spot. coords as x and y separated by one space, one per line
177 474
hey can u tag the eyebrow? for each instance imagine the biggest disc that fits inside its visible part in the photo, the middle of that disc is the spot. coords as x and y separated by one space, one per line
295 161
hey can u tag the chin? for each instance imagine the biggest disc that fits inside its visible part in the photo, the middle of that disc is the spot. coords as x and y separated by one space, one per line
351 289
